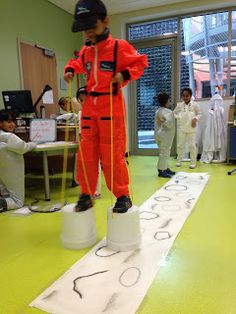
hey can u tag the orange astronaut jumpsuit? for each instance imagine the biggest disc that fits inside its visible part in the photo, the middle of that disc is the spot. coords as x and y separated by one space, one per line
100 62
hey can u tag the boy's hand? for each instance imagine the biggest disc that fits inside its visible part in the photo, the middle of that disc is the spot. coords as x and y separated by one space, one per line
118 78
68 76
194 122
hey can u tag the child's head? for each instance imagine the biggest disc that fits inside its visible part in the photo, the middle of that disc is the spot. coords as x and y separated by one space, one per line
91 17
64 103
81 94
186 94
163 99
7 120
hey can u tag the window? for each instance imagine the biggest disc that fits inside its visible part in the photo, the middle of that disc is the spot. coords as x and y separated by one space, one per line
157 77
207 57
153 29
233 56
204 53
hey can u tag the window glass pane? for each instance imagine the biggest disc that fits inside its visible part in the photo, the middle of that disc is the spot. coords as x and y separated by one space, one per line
153 29
204 53
156 78
233 56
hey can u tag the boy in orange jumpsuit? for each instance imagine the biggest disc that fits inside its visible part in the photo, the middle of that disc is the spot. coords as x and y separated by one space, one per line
105 61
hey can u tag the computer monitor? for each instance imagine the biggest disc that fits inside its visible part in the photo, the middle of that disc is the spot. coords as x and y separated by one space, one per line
19 101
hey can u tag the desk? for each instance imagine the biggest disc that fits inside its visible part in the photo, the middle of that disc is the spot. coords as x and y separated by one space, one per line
231 147
33 164
52 149
23 132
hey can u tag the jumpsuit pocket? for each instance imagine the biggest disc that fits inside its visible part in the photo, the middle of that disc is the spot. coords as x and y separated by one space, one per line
86 126
118 133
86 129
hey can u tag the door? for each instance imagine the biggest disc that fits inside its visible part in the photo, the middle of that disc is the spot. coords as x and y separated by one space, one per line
159 76
38 68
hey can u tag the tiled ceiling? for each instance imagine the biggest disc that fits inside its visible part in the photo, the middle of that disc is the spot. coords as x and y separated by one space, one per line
118 6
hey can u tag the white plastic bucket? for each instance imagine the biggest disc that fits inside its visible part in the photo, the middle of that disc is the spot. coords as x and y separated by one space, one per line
78 228
123 230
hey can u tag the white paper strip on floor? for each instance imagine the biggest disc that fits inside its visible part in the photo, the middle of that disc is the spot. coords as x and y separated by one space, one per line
104 281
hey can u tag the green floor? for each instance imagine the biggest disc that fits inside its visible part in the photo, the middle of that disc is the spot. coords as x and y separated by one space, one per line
199 276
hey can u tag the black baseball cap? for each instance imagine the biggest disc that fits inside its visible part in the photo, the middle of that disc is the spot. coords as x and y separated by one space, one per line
87 12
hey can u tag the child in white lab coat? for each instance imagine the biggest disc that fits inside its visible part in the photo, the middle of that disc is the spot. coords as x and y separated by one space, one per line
12 171
187 113
164 134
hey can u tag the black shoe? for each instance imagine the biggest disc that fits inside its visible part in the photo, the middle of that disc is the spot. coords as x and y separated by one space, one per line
85 202
164 174
3 205
170 171
123 203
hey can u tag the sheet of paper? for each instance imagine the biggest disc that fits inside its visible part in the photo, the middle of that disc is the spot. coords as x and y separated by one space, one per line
48 98
105 281
43 130
23 211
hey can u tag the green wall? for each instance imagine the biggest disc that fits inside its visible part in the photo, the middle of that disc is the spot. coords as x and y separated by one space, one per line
36 22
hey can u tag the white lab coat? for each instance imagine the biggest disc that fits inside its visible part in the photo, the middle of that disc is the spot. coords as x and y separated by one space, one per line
164 135
69 117
214 141
12 169
186 133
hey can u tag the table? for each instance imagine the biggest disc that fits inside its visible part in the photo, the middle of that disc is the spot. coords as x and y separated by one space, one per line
23 132
33 163
52 149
